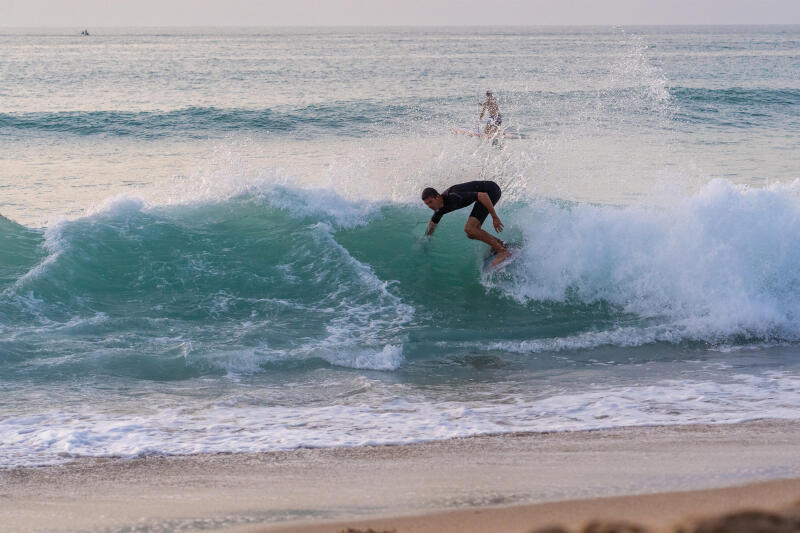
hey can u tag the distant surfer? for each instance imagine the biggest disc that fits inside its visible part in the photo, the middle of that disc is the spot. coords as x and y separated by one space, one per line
495 118
484 194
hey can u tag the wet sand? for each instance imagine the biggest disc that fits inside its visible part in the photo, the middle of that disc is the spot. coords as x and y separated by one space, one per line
658 512
499 483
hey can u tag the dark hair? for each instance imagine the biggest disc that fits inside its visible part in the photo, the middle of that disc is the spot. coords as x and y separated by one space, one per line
429 192
488 93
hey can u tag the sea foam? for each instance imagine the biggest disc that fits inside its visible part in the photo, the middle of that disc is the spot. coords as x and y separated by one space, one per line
720 264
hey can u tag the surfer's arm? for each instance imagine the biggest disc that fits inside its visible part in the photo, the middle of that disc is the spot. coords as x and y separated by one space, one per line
483 109
431 228
484 199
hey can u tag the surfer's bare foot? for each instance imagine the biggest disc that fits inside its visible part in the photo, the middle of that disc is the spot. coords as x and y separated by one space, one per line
501 256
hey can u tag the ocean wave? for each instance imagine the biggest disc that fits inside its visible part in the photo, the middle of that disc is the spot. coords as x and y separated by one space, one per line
244 282
717 266
358 118
345 118
738 95
19 251
736 106
180 285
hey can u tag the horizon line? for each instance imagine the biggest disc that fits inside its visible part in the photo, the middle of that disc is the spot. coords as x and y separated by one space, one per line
606 25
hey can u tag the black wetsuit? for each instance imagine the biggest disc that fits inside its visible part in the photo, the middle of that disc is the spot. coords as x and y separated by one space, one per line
463 194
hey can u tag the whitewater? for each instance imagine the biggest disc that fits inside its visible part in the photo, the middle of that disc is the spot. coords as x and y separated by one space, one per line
235 262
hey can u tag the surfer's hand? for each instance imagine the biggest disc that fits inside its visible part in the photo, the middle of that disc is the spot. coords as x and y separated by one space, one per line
498 226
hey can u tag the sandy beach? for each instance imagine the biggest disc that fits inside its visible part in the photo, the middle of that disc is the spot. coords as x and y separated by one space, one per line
500 483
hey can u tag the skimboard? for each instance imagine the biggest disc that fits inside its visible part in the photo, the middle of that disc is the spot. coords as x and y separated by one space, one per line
478 133
468 133
489 268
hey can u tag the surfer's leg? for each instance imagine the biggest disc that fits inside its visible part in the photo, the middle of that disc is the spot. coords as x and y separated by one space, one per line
474 231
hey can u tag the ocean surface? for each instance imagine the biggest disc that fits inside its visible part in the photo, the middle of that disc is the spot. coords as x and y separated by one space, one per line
211 240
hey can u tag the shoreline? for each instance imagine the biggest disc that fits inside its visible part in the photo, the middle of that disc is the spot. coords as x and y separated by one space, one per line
70 459
321 489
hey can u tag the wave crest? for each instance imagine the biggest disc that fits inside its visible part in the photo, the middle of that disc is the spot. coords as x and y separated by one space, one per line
721 264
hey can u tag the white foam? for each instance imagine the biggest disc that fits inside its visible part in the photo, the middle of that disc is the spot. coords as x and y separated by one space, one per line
251 426
364 333
620 336
390 357
719 264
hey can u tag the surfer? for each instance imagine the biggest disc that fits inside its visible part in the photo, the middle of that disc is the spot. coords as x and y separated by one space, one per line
495 118
484 194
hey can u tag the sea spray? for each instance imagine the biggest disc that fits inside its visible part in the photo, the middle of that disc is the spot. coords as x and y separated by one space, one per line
719 265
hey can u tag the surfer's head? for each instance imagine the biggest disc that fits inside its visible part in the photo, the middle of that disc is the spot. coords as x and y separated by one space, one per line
489 94
432 198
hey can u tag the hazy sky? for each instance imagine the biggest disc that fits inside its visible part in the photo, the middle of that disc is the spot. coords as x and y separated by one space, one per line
94 13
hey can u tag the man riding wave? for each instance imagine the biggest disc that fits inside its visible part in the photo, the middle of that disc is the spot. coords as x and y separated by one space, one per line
484 194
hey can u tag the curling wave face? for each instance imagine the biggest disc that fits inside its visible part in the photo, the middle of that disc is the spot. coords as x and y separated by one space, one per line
171 292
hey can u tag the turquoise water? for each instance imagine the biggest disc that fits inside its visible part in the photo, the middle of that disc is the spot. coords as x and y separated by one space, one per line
211 240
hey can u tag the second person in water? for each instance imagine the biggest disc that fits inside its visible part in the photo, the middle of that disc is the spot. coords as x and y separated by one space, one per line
495 118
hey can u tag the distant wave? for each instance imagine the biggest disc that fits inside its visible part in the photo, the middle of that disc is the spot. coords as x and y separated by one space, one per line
738 95
192 122
736 106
